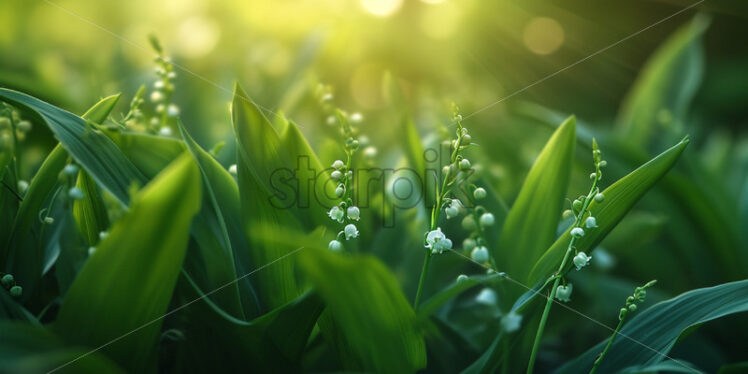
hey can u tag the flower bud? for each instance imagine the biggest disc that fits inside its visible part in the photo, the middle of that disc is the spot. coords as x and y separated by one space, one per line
49 220
75 193
590 222
487 219
603 163
336 175
581 260
479 193
593 176
563 293
462 278
335 246
468 244
91 250
465 164
172 110
467 139
70 169
103 235
577 206
480 255
24 126
511 322
357 117
350 231
469 224
22 186
486 296
577 232
157 96
16 291
340 191
338 164
632 307
232 169
567 214
354 213
165 131
599 197
8 280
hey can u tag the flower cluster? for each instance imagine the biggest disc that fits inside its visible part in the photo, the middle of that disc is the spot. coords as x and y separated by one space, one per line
345 212
13 128
583 220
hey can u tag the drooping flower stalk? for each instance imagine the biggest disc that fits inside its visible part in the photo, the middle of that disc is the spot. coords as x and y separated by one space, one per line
580 259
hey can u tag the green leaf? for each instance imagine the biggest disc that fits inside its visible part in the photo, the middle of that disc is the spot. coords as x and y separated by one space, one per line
619 198
531 224
451 291
657 328
369 309
663 92
271 343
126 285
88 145
90 212
220 215
489 361
258 156
26 348
314 196
24 253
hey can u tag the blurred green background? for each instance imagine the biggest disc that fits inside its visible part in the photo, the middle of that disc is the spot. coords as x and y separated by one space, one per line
689 232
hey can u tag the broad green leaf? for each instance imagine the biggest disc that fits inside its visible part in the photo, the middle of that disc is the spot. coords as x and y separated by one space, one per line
149 153
85 142
448 293
127 283
269 344
668 366
23 252
258 156
221 216
26 348
315 196
663 92
90 213
531 224
652 333
12 309
369 309
489 361
619 198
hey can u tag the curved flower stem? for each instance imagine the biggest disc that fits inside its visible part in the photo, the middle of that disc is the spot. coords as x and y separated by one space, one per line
559 274
607 346
435 212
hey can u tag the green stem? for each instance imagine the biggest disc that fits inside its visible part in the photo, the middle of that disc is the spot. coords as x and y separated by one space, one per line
610 342
547 310
422 279
440 195
559 275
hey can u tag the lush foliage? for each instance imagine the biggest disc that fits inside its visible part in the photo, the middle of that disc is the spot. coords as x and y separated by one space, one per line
131 247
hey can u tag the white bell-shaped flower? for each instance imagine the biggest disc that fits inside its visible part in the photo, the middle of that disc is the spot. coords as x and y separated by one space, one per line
354 213
581 260
350 231
336 214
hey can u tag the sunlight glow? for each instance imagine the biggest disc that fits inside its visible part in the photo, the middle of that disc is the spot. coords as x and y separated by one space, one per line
382 8
543 35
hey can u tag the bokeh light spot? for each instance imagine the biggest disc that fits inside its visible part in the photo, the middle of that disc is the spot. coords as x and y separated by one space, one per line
382 8
543 35
197 36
